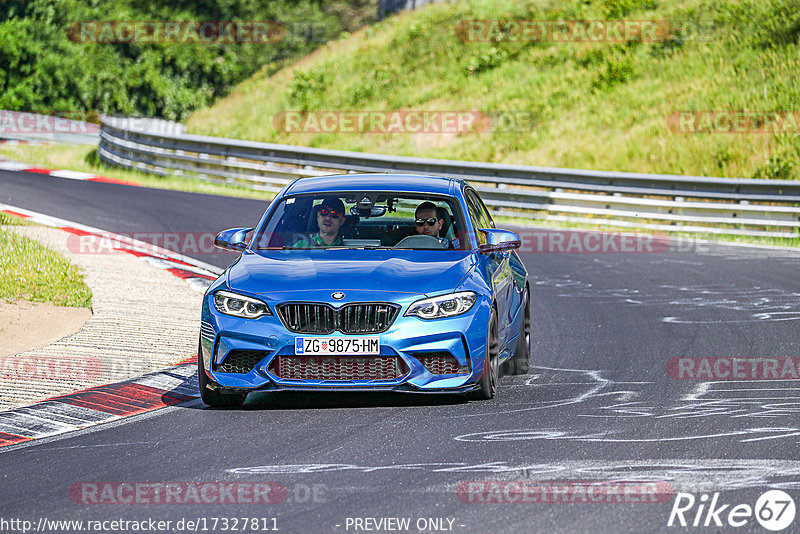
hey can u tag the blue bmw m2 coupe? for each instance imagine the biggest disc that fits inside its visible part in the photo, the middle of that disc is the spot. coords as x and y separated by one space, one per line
367 282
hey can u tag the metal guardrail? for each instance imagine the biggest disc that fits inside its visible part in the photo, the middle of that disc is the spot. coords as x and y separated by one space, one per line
660 202
389 7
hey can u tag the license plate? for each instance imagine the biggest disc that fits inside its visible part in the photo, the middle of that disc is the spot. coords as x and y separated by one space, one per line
337 346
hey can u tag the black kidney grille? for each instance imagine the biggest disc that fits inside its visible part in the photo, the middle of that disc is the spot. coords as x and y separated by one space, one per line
241 361
357 318
307 318
366 318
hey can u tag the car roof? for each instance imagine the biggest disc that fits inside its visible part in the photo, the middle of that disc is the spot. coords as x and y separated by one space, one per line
398 183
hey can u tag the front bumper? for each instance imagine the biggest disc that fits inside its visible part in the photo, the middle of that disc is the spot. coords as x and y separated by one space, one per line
464 337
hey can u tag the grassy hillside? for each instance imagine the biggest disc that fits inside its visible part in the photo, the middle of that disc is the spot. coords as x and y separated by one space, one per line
596 105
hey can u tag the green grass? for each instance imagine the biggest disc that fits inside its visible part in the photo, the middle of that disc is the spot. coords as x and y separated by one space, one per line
11 220
596 105
33 272
84 158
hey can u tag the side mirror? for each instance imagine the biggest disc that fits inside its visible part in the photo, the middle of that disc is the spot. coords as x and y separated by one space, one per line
498 240
232 239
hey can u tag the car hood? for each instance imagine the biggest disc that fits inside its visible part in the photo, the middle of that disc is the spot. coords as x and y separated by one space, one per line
402 271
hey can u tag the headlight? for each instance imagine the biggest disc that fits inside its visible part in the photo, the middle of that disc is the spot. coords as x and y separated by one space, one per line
240 305
443 306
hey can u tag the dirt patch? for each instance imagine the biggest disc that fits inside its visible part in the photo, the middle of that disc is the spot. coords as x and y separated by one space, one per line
31 325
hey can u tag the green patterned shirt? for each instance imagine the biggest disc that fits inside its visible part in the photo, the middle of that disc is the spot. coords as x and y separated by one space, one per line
316 241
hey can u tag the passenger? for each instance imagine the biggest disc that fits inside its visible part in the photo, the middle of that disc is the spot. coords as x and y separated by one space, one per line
330 217
429 223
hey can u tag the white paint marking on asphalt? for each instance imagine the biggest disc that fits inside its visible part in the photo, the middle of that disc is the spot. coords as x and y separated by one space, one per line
72 175
161 381
14 166
538 434
599 384
700 389
28 426
770 437
66 413
694 474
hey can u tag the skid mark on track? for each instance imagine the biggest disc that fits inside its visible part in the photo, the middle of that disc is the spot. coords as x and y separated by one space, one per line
704 474
591 384
692 303
758 399
605 437
587 394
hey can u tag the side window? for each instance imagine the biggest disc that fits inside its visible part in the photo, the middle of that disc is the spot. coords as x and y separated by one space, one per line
477 215
486 214
477 212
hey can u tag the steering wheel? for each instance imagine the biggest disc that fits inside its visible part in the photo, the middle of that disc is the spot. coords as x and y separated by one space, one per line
421 241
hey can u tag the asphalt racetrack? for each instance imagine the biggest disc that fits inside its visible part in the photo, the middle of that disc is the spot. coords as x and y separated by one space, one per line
603 406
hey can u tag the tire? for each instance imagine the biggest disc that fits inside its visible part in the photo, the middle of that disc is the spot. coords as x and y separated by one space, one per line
213 397
491 372
520 363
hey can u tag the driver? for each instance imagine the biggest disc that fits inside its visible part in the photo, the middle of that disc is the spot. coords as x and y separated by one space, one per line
330 217
429 223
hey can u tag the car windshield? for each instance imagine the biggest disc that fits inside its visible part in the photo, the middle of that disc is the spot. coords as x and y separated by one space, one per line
364 220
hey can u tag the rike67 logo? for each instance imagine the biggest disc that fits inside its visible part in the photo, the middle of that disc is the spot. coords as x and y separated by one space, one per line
774 510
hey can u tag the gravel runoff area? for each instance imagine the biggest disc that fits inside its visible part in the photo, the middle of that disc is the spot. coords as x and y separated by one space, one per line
143 319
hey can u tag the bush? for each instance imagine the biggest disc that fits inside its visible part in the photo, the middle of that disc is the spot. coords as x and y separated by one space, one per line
42 70
619 8
488 60
617 70
777 168
307 88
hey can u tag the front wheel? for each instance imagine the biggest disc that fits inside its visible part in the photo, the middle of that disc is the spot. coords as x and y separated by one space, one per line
488 380
213 397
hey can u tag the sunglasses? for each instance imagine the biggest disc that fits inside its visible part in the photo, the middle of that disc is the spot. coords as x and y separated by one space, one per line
325 212
430 220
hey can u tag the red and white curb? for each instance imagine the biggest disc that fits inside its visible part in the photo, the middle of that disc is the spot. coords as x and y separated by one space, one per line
8 165
196 273
101 404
